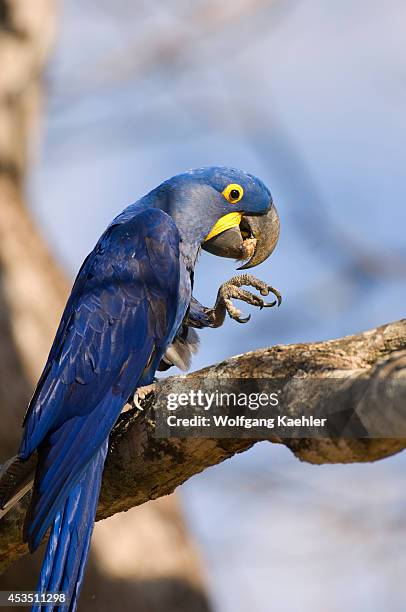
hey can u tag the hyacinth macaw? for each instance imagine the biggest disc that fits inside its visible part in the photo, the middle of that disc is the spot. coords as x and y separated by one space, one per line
130 313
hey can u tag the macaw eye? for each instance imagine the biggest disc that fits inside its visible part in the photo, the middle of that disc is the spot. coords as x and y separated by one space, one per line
233 193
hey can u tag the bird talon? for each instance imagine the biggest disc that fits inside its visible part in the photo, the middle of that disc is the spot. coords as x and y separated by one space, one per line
136 403
233 290
270 304
276 294
140 394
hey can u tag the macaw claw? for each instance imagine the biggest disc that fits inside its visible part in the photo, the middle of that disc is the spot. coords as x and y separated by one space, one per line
232 290
264 289
140 394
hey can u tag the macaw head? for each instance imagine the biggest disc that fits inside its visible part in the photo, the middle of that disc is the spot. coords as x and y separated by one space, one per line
225 211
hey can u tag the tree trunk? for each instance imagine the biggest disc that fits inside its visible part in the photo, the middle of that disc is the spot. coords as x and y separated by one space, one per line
33 291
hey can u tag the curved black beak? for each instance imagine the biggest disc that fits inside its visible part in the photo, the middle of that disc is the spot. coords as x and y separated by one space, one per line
263 228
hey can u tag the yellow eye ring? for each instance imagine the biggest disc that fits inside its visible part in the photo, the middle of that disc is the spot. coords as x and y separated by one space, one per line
233 193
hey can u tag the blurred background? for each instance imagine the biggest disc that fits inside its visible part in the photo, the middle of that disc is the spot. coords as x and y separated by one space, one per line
310 96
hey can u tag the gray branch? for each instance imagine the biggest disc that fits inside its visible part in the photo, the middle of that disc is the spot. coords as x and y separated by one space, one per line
141 467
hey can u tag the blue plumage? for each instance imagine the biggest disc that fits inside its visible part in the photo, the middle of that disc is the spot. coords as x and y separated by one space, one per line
131 300
123 307
69 541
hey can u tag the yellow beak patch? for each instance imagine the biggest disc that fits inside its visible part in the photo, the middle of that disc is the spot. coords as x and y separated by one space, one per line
225 223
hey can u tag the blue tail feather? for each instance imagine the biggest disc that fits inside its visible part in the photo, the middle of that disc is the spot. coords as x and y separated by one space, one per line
68 545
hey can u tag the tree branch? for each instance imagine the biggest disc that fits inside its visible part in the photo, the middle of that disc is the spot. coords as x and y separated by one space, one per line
141 467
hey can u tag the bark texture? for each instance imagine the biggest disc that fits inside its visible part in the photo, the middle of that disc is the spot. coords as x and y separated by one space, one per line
141 467
33 292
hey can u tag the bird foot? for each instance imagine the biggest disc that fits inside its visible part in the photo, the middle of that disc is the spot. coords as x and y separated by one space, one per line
232 290
140 394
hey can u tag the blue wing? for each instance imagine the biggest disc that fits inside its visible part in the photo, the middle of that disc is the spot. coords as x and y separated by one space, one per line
120 316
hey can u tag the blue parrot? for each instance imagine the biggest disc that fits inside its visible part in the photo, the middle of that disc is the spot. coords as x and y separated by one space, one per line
130 313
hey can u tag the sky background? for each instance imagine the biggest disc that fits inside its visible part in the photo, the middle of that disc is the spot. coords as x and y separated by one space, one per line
309 96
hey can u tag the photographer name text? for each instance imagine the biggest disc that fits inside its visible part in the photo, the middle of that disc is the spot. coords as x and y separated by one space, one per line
242 421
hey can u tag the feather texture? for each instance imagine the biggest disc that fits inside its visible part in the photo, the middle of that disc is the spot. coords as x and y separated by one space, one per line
69 541
130 311
124 307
